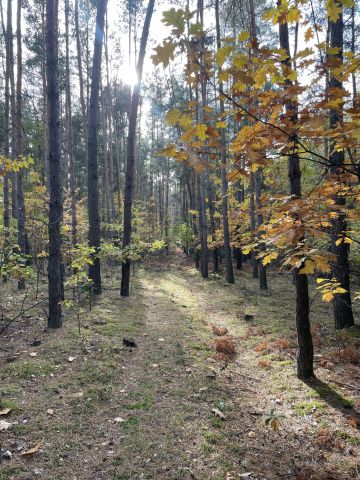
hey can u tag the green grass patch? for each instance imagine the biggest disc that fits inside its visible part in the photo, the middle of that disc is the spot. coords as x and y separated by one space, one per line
7 473
355 441
31 369
307 408
211 437
97 372
6 403
131 422
146 402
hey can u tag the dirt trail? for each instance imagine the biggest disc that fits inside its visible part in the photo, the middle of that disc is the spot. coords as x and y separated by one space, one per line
147 412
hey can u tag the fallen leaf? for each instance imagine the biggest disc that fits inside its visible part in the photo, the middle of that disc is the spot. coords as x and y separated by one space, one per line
251 434
71 359
4 425
218 413
50 411
275 424
5 411
32 450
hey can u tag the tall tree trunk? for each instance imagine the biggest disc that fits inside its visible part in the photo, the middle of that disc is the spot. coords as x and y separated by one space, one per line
109 114
69 131
166 214
13 176
191 185
255 270
45 105
212 227
80 70
224 181
106 191
259 220
92 139
353 48
22 239
56 289
343 314
305 355
204 253
131 146
239 196
6 150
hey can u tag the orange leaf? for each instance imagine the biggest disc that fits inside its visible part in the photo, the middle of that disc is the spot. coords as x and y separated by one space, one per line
33 450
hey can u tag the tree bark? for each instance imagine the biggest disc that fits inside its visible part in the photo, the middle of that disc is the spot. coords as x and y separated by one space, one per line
343 314
55 207
131 146
80 70
92 139
13 176
224 181
305 369
6 149
212 228
254 262
69 130
22 238
259 220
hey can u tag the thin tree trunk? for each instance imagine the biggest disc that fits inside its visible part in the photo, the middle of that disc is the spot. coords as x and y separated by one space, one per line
212 223
224 181
13 176
92 139
56 289
69 130
80 70
131 146
22 240
167 182
6 213
45 106
191 185
259 220
110 135
106 191
343 314
305 355
204 254
255 270
204 258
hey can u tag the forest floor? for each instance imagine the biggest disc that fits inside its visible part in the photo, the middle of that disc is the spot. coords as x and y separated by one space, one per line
93 409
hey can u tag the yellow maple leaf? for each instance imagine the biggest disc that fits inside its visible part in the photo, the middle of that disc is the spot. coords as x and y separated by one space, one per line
308 268
243 36
200 130
222 54
268 258
169 151
221 124
333 10
327 296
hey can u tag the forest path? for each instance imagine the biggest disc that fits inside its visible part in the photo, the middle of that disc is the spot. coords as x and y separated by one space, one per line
147 413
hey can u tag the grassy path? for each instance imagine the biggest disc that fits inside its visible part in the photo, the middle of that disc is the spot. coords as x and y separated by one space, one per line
106 412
